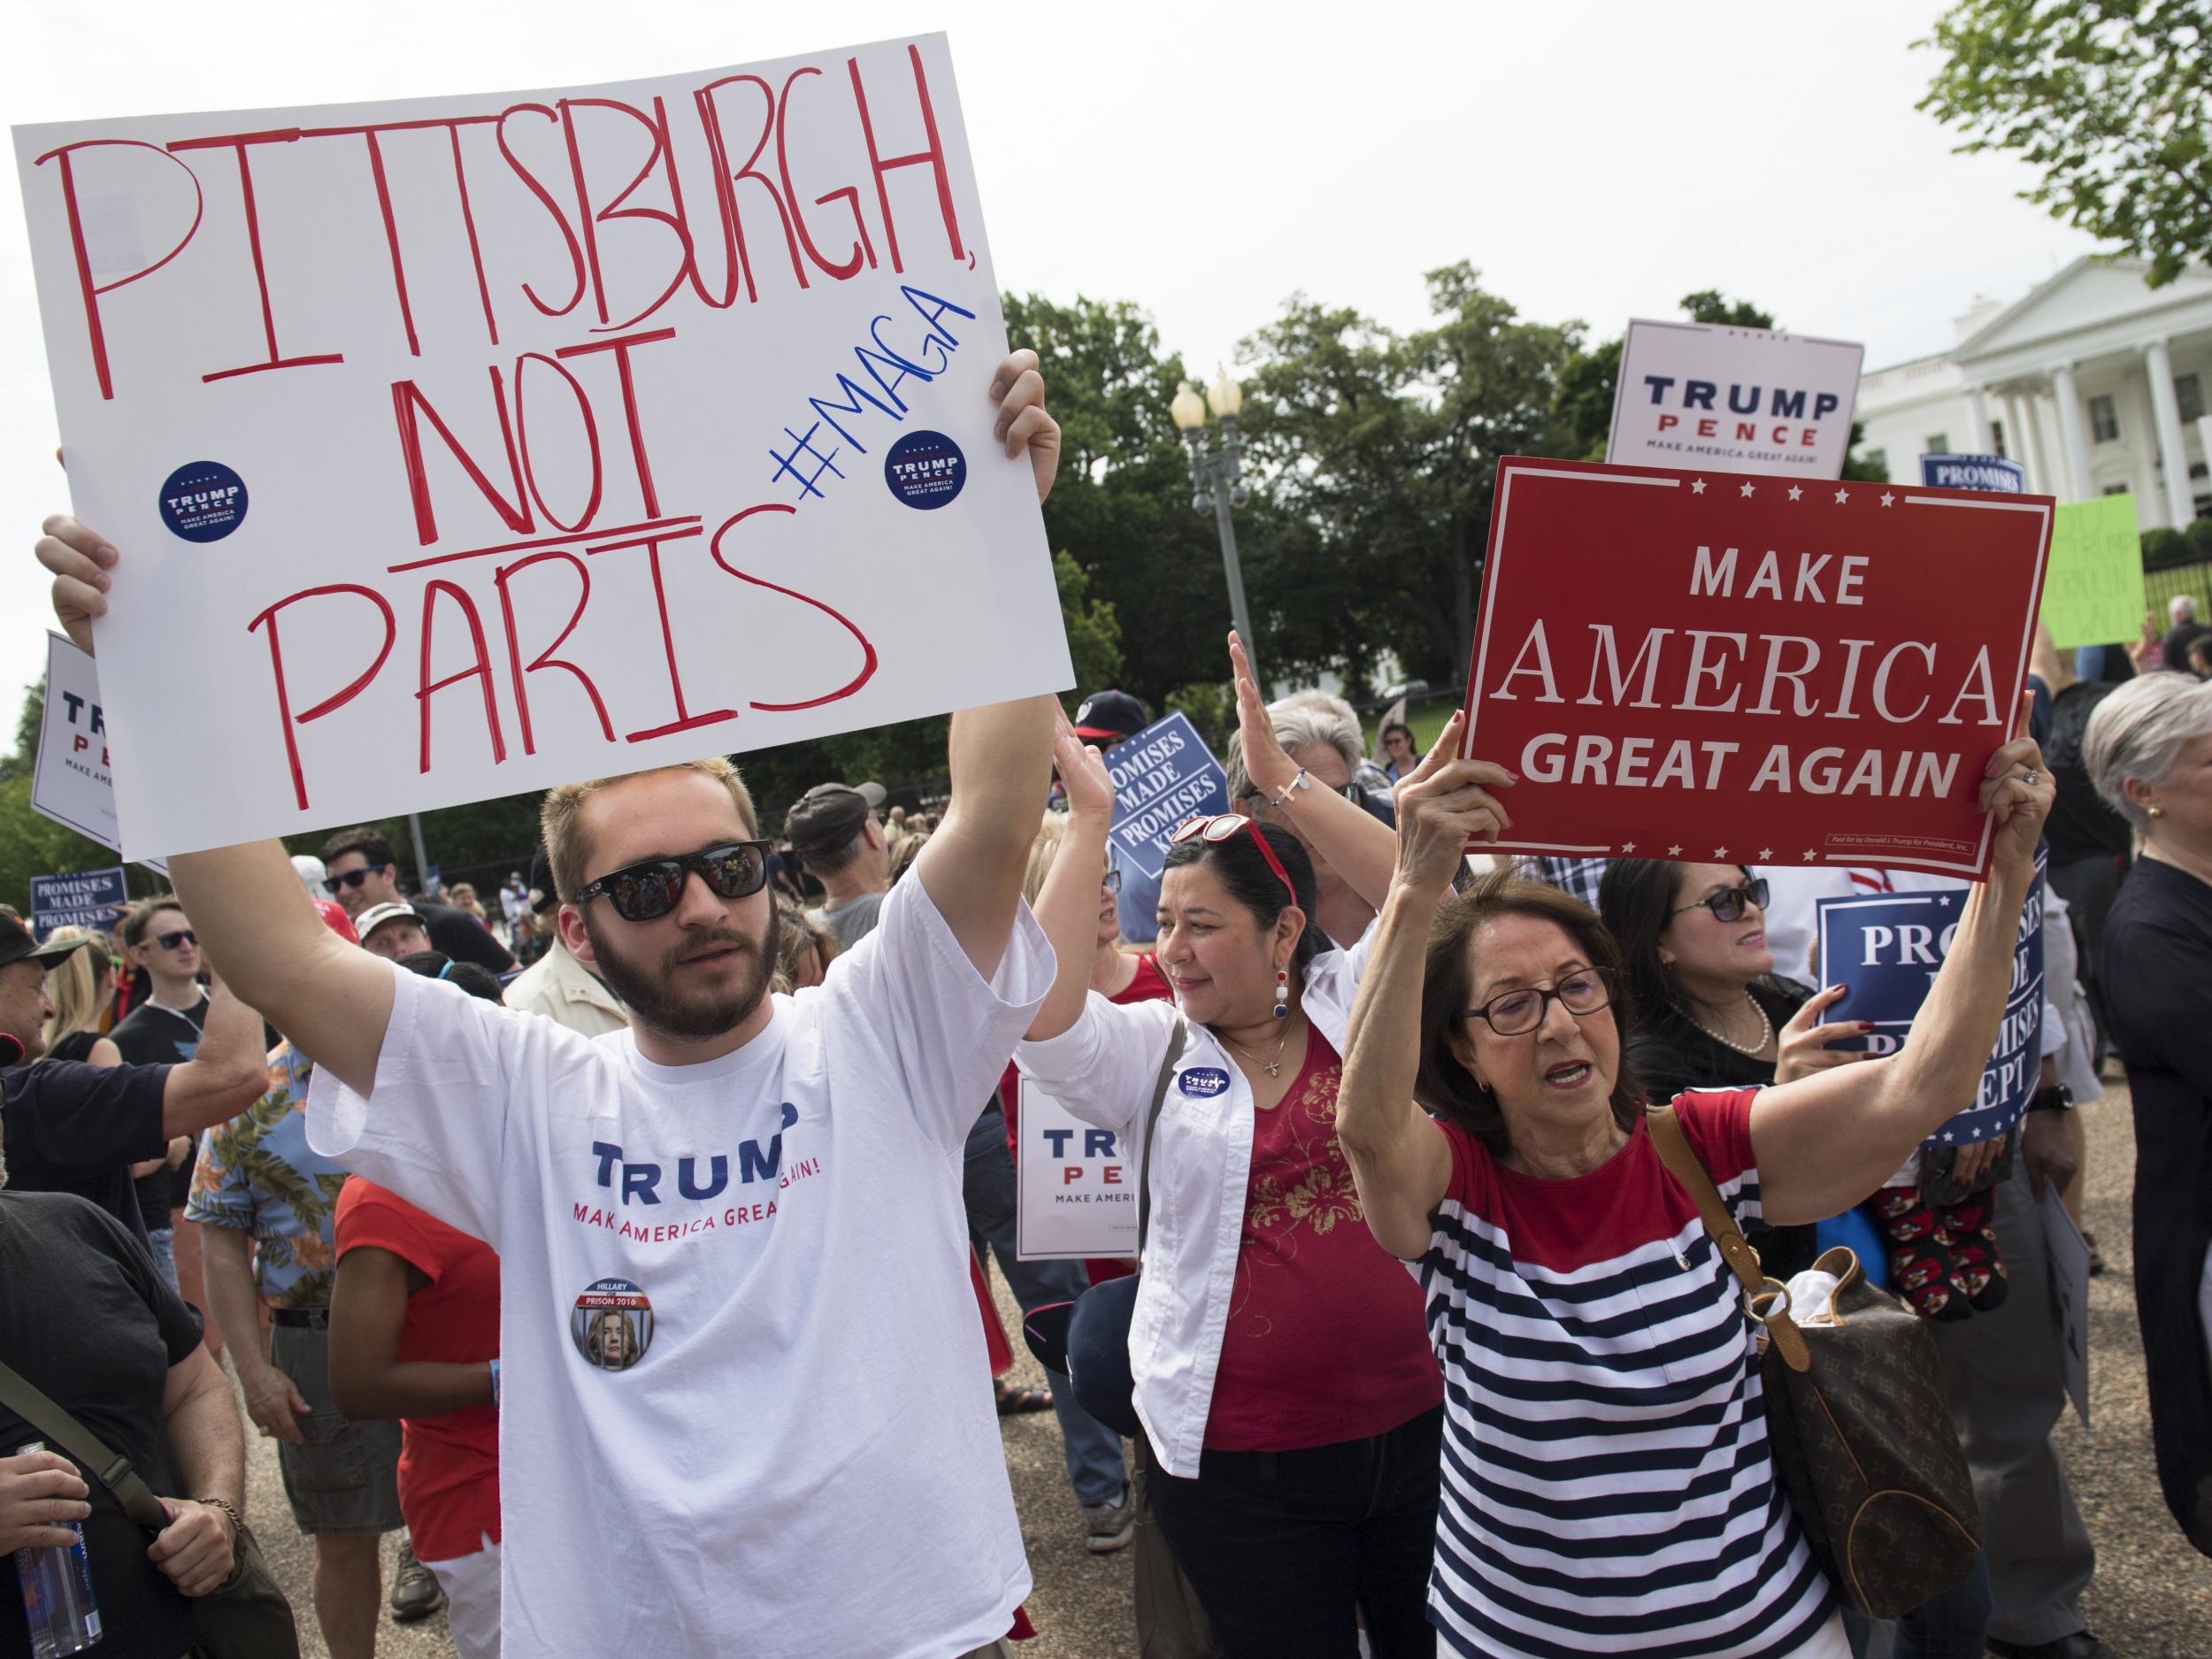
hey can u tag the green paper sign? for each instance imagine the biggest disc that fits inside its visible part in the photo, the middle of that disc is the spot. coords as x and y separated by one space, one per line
2092 589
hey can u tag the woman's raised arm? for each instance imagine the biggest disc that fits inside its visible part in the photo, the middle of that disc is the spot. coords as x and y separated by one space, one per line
1400 1162
1823 1142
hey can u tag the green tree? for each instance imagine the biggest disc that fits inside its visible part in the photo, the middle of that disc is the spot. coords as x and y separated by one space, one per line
1121 507
1384 448
2108 97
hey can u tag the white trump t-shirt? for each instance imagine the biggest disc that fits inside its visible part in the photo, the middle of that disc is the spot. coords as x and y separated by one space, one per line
745 1396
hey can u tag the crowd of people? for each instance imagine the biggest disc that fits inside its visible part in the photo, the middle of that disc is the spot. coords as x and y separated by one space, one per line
1429 1351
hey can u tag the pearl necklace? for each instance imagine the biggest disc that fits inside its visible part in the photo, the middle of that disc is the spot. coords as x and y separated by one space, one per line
1766 1030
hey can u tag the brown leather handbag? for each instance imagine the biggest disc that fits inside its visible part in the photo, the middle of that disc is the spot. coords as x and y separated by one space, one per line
1856 1418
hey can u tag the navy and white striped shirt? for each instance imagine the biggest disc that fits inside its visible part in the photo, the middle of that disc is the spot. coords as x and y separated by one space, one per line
1606 1486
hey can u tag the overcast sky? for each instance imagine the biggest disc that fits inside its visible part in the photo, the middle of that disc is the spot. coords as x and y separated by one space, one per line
1594 161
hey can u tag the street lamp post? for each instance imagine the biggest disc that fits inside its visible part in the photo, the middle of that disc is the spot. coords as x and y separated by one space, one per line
1215 477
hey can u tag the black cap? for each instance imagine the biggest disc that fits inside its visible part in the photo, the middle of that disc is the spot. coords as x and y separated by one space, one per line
1110 714
16 943
829 815
543 897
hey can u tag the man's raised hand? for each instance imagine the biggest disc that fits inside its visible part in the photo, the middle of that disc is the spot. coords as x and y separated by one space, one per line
81 561
1018 390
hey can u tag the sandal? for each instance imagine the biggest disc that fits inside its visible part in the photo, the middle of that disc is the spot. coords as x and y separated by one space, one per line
1013 1402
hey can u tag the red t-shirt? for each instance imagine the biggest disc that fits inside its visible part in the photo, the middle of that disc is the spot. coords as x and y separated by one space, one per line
1149 986
448 1466
1327 1338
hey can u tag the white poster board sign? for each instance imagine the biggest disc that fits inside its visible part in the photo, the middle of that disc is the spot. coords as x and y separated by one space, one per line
71 783
1734 399
478 443
1076 1190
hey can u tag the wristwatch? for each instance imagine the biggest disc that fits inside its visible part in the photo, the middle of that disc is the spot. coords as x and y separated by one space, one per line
2056 1098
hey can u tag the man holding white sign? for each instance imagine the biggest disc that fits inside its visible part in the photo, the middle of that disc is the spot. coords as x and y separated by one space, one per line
689 1215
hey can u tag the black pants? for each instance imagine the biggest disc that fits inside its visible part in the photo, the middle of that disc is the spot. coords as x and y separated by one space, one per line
1282 1546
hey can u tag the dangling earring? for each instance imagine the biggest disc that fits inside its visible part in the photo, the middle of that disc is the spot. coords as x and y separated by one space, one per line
1282 994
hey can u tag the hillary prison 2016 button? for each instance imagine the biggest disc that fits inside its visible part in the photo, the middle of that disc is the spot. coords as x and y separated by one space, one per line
611 1324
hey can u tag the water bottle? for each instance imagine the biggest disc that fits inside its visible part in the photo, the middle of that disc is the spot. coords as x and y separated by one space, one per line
57 1601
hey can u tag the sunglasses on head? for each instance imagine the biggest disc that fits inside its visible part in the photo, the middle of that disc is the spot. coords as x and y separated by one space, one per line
650 889
1221 827
355 878
1730 905
183 936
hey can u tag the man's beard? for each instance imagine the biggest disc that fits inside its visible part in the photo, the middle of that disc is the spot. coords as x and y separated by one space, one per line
709 1011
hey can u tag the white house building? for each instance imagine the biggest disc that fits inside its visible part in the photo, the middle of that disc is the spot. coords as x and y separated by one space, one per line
2094 381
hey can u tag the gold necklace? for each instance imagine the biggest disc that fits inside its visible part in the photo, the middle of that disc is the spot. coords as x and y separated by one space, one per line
1275 1066
1766 1030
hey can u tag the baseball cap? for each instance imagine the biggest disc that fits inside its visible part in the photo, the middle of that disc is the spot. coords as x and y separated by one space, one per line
1110 714
541 895
377 915
334 918
16 944
829 815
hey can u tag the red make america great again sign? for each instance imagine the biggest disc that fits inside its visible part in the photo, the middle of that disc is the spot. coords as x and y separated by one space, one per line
1751 669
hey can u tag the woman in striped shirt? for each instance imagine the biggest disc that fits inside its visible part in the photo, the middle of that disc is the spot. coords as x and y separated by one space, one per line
1607 1485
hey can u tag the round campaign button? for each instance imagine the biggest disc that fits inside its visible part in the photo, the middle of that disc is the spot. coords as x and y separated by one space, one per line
925 470
203 500
611 1324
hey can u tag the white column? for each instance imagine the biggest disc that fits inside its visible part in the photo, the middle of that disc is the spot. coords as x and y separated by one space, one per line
2046 481
2016 440
2081 482
2167 409
1984 443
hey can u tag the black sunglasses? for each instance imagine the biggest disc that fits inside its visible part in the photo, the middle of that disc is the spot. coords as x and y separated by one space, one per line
355 878
183 936
1730 905
640 892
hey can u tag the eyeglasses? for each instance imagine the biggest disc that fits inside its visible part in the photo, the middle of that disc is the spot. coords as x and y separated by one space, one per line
1516 1013
1730 906
183 936
1111 881
1219 828
642 891
355 878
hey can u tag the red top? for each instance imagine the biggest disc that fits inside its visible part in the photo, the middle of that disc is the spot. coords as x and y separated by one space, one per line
1327 1338
448 1466
1149 986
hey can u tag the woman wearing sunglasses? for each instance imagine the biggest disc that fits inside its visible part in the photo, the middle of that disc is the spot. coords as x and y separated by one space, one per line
1291 1404
1607 1479
1710 1011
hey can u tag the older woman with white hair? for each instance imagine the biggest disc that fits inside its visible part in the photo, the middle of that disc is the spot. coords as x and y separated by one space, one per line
1322 736
2148 749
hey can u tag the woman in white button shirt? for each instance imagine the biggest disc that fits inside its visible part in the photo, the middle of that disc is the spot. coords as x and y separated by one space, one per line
1280 1363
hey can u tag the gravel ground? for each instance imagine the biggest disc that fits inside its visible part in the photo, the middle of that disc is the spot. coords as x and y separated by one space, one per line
2151 1599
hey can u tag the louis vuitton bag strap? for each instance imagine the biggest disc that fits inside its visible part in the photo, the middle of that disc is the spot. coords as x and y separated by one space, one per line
1681 1160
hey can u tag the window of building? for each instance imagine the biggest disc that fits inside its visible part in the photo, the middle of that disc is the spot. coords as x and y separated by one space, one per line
1940 444
2189 393
2104 421
1997 433
2114 489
